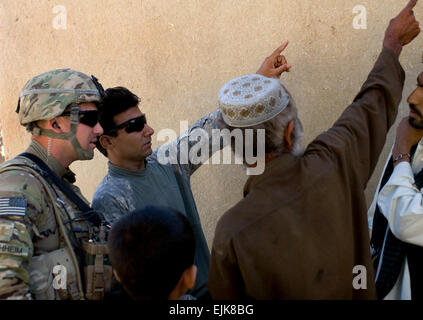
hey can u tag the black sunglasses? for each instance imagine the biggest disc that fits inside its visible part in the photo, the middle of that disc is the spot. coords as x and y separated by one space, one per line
132 125
87 117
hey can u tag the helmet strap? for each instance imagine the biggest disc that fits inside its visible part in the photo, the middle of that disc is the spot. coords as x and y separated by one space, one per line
81 153
49 147
71 135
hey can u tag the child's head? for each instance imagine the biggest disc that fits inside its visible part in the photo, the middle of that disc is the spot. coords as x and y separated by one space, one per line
152 253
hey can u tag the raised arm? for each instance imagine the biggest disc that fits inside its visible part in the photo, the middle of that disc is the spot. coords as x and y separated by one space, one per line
356 139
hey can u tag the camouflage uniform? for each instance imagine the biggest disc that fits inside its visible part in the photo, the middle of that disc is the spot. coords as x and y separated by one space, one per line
36 217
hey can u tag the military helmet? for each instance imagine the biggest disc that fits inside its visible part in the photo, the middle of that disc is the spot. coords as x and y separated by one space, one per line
47 95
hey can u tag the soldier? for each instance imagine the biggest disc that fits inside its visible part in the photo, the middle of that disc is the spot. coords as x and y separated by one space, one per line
49 236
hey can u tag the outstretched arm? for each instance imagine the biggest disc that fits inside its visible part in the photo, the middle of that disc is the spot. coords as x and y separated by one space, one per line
356 139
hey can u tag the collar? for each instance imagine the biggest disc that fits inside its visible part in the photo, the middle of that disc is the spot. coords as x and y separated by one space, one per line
122 172
37 149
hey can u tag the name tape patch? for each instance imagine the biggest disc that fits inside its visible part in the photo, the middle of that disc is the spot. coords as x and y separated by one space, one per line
13 250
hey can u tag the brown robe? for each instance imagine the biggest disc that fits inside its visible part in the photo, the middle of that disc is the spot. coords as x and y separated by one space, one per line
302 225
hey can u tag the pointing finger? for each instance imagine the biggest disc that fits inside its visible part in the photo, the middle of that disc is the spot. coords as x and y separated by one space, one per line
411 4
280 49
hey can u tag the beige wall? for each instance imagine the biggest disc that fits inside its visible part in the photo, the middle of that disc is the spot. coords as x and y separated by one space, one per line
176 54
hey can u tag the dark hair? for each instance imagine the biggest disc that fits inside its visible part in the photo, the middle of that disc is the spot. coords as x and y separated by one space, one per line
115 101
150 249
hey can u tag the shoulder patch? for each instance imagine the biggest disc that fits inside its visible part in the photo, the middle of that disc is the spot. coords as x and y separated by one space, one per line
12 206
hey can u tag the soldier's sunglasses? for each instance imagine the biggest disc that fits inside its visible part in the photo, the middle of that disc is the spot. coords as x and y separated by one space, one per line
87 117
132 125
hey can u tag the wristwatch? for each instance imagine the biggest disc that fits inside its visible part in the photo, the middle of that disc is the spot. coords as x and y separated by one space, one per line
401 156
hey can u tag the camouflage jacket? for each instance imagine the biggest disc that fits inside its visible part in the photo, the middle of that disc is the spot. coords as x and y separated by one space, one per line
30 241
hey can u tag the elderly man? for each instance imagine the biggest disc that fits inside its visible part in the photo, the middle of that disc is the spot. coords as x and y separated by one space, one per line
138 177
301 230
396 214
47 228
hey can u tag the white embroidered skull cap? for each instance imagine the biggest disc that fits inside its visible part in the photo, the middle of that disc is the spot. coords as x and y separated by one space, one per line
251 99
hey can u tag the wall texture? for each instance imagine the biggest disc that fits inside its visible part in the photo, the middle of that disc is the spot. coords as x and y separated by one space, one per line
176 54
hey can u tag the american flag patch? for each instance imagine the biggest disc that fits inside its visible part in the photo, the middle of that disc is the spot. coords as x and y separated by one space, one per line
12 206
